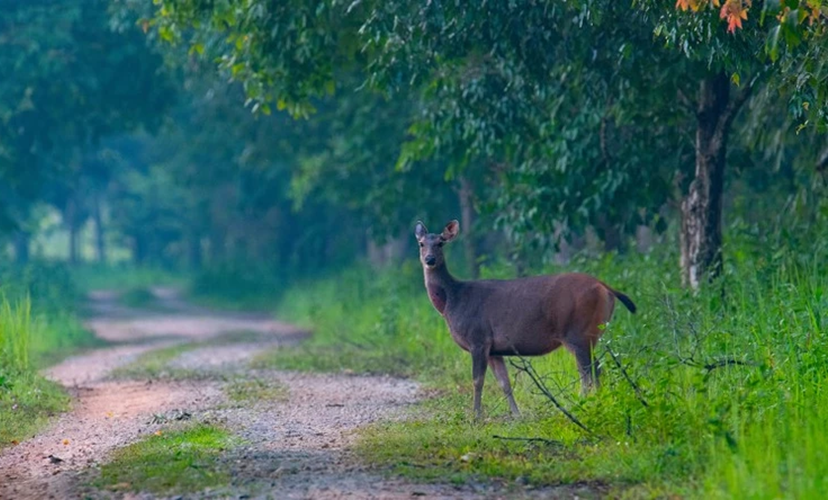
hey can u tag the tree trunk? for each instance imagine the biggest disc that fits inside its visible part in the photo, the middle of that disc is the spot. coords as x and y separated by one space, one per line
72 223
611 234
21 247
701 208
467 216
100 235
194 247
139 249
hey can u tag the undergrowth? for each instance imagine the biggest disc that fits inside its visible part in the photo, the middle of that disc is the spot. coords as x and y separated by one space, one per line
719 394
38 326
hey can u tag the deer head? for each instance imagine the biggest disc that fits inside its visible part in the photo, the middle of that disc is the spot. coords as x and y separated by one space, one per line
431 244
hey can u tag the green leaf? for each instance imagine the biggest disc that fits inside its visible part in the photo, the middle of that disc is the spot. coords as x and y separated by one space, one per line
772 43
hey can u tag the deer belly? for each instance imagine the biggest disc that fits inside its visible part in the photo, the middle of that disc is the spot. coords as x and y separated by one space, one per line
438 298
524 345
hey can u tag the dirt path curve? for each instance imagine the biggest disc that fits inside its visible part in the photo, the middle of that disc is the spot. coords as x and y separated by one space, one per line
298 448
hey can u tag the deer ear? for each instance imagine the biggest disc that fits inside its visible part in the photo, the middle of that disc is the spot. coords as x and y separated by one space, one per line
451 230
420 230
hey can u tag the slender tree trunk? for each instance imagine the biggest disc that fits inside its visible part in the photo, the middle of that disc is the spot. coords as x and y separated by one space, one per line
194 244
610 234
467 215
100 235
139 249
72 223
21 247
701 208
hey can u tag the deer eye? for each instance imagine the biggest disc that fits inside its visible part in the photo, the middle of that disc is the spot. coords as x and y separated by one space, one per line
440 244
421 244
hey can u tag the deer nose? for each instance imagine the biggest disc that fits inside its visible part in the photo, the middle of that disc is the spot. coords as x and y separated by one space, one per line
430 260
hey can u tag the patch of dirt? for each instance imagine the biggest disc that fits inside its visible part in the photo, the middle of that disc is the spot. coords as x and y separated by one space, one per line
299 448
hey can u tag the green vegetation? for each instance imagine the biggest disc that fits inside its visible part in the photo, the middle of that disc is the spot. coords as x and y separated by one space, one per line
26 399
250 390
155 365
175 462
123 277
40 299
662 146
732 383
139 298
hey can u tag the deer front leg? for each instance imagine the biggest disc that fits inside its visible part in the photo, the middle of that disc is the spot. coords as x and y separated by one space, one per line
502 376
479 360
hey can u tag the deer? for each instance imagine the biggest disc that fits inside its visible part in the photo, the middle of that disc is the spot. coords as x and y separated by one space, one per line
530 316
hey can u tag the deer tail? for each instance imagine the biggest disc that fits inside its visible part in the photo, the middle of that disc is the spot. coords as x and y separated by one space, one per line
624 300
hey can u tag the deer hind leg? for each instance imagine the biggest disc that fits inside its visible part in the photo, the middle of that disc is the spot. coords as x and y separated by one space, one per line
502 376
587 364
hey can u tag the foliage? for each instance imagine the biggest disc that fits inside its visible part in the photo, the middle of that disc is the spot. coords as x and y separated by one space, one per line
27 400
67 80
710 427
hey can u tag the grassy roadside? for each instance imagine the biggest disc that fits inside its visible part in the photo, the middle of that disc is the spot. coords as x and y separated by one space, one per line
179 461
38 327
733 384
27 400
123 278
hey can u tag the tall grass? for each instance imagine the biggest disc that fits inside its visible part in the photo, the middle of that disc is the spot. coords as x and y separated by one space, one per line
731 381
15 335
37 325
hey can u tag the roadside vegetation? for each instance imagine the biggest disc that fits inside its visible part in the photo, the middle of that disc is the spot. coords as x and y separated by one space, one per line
124 277
718 393
179 461
38 326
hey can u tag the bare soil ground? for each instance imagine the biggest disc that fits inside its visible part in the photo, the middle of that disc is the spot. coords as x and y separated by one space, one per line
293 447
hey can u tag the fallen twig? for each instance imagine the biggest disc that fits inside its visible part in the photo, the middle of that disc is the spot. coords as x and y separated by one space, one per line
527 367
550 442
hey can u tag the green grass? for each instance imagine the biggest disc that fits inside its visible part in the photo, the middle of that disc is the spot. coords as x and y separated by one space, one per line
124 277
137 297
739 430
27 402
237 287
250 390
176 462
155 365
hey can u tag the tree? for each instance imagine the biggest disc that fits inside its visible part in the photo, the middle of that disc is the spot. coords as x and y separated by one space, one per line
67 79
579 112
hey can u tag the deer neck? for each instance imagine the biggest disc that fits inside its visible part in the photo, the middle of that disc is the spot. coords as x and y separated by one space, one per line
440 285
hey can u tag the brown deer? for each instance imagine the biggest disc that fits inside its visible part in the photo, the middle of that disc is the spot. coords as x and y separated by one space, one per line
526 316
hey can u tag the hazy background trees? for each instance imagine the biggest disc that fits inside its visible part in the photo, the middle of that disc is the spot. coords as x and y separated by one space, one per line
308 135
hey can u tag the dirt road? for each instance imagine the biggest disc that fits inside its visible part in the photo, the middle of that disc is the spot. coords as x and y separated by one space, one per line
296 447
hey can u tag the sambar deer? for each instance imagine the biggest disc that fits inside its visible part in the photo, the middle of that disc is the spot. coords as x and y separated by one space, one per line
526 316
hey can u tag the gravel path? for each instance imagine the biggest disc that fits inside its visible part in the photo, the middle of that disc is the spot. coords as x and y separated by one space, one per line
298 447
295 447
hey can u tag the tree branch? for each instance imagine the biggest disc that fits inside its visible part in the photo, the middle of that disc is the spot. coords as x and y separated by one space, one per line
627 377
734 105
